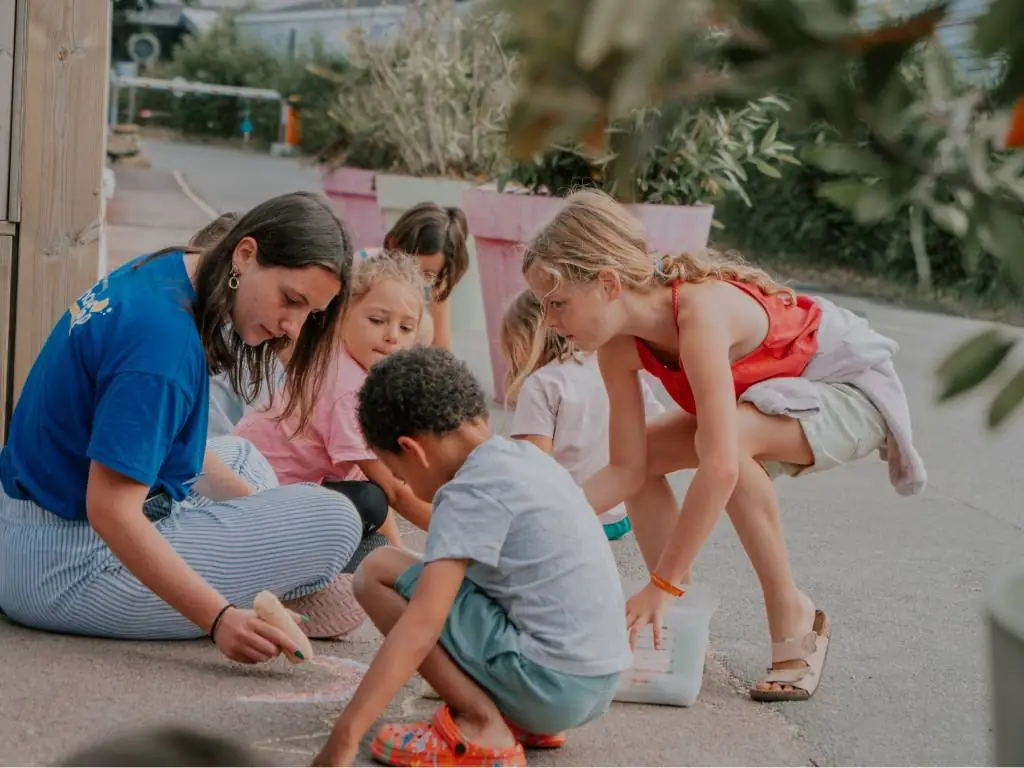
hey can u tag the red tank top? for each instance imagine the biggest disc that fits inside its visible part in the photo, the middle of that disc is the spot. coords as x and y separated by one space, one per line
791 342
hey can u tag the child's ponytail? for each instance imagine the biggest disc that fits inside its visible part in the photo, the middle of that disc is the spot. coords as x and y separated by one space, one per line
709 264
456 252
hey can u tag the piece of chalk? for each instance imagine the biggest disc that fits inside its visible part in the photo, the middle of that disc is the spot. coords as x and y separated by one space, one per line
269 608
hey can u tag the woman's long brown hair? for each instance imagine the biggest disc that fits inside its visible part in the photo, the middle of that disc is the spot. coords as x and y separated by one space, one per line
293 231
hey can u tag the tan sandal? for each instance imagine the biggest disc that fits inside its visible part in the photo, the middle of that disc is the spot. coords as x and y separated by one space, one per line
803 681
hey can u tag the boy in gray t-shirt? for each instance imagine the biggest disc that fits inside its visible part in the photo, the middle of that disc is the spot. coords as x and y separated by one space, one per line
515 616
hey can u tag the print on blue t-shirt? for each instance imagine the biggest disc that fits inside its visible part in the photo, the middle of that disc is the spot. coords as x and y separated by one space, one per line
121 381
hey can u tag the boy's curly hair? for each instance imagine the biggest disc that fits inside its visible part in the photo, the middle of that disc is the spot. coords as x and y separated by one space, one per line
418 391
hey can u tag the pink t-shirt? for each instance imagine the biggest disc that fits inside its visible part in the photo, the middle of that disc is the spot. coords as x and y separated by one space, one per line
332 441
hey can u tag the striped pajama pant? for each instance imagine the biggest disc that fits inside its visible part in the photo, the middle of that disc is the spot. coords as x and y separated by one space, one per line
293 540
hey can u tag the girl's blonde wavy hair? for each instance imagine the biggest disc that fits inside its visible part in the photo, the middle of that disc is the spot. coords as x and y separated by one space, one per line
527 345
387 265
592 232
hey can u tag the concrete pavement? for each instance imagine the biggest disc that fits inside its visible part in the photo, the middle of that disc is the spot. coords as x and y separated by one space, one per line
902 579
149 211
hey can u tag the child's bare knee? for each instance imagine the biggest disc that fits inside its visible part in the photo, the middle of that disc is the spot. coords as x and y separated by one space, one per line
383 566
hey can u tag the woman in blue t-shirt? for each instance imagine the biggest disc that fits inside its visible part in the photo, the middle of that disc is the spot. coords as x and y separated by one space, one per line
116 519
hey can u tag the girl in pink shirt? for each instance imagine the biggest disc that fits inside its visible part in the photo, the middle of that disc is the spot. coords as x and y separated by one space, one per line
383 314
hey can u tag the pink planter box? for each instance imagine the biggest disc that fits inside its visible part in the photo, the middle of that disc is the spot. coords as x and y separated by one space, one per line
501 222
353 193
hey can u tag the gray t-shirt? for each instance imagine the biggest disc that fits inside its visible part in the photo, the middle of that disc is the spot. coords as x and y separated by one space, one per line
227 407
539 551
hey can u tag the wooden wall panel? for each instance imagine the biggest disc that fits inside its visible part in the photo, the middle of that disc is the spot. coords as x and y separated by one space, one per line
6 266
6 98
12 181
63 119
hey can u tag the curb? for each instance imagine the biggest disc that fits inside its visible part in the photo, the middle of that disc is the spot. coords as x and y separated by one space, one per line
201 204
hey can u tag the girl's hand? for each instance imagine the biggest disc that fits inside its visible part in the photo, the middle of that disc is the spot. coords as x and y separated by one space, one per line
646 607
244 637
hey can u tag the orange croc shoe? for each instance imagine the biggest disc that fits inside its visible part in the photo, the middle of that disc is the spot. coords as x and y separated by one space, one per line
537 740
439 742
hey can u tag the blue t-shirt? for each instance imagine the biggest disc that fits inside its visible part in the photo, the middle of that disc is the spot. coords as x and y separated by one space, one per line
122 380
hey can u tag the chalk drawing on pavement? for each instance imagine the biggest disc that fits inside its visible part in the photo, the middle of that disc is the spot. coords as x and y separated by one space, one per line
344 676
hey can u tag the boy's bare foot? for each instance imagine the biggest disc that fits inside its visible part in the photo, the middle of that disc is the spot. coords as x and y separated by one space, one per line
491 732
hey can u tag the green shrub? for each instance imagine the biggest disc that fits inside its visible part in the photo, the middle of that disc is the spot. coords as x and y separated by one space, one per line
429 100
788 219
704 156
220 56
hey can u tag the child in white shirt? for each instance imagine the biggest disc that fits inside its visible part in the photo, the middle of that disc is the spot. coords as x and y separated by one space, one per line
562 406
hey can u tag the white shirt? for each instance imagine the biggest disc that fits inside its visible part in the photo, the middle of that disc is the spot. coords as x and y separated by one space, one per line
568 403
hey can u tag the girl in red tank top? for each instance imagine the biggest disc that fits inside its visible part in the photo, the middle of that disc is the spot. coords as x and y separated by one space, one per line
790 343
709 328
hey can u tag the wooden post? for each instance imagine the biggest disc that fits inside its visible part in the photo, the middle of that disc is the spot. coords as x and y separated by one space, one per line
12 29
7 27
6 263
60 164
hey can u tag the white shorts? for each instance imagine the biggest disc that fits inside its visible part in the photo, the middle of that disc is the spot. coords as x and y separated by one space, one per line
847 427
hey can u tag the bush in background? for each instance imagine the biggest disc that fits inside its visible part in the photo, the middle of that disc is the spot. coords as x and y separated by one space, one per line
791 218
431 99
220 56
788 220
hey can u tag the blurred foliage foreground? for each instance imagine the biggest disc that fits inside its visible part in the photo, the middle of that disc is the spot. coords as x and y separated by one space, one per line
946 152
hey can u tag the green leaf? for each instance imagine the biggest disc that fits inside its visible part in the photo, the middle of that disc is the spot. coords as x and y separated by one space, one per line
971 362
844 193
951 218
1007 400
999 27
846 159
938 72
767 170
875 203
869 203
1002 234
768 140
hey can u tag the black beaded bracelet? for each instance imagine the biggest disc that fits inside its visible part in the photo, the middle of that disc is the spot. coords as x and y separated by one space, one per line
216 621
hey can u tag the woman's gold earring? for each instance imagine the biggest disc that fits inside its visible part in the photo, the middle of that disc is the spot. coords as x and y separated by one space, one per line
233 279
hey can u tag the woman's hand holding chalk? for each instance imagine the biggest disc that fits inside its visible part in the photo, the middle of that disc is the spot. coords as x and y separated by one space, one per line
270 610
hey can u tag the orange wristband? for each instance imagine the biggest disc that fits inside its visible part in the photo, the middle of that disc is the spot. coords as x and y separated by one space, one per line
665 586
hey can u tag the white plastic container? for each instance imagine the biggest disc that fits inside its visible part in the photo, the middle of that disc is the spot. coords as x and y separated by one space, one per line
673 675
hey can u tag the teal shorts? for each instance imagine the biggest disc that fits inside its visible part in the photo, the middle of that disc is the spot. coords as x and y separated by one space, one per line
485 644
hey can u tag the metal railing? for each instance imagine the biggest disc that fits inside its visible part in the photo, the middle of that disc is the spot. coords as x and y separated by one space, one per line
179 86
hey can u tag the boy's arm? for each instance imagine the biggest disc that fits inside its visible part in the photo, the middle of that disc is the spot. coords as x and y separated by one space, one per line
400 496
408 643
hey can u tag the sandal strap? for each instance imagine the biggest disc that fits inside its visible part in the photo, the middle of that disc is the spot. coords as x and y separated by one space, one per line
788 676
793 649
